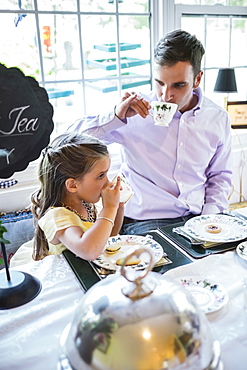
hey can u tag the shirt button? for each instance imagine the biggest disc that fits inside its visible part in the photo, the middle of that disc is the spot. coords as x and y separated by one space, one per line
181 184
181 143
179 166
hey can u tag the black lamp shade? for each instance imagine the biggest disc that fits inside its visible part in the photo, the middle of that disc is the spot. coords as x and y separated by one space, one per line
226 81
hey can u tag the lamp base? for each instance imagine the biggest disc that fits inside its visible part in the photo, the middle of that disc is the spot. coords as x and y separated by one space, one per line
22 288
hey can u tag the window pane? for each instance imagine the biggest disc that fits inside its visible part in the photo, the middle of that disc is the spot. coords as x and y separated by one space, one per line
98 61
134 31
58 5
101 54
13 4
239 42
217 42
98 5
128 80
188 2
19 44
195 26
127 6
98 102
217 38
60 47
237 2
67 101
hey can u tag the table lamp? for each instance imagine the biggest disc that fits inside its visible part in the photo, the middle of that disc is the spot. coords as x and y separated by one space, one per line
25 128
226 83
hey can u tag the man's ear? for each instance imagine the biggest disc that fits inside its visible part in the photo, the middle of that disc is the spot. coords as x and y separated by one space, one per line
71 185
198 79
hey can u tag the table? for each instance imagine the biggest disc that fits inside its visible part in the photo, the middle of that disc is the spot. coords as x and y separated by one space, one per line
30 333
229 325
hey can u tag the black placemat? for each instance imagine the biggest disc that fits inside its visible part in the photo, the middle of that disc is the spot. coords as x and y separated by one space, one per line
196 251
82 270
177 257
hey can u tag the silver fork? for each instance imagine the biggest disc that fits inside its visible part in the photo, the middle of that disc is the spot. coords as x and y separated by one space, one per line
183 233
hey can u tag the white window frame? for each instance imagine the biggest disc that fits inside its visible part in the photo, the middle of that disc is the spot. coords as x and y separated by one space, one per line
165 16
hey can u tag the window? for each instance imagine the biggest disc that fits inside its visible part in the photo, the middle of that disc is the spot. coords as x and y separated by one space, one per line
84 52
223 32
87 52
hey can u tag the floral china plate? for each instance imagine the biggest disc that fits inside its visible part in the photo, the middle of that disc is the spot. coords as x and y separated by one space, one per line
209 295
216 228
242 250
128 244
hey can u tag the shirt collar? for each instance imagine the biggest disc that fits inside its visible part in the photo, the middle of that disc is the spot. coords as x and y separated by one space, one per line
198 93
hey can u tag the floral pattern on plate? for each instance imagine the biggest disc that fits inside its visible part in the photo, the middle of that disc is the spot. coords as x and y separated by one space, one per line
242 250
128 244
231 228
209 296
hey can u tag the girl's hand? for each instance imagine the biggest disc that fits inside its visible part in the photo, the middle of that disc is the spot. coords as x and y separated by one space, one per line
111 194
118 219
132 104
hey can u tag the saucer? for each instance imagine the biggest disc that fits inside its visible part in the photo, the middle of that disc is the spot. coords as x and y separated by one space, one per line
242 250
209 295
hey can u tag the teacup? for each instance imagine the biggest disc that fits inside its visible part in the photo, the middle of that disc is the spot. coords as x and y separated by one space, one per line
163 112
126 192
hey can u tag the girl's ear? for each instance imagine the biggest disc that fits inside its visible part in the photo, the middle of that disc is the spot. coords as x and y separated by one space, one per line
71 185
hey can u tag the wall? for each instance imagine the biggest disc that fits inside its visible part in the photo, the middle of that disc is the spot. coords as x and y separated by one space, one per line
239 146
17 197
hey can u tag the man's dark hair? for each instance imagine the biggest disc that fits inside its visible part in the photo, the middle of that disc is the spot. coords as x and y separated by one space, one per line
179 46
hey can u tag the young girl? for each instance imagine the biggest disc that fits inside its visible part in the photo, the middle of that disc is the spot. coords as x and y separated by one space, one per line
73 177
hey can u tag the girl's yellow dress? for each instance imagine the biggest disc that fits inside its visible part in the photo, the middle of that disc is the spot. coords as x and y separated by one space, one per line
55 219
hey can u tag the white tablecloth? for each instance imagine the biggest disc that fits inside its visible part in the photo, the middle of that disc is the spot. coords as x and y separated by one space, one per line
229 324
29 334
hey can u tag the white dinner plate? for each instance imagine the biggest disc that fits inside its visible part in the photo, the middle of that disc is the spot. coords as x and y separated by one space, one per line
128 244
209 295
232 228
242 250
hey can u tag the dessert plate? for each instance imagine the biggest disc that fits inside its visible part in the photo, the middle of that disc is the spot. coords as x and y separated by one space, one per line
230 228
127 245
209 295
242 250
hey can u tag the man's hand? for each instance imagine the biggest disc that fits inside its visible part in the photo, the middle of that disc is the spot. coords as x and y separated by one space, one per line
132 104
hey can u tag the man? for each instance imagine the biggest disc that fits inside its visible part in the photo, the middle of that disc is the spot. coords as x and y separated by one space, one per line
179 171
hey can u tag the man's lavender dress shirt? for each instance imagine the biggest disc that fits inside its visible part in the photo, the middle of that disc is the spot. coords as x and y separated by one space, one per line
174 171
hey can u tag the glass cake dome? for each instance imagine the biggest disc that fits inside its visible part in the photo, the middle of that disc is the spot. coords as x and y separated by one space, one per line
138 321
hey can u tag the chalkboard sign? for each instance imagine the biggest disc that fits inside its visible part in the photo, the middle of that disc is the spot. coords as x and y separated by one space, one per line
25 120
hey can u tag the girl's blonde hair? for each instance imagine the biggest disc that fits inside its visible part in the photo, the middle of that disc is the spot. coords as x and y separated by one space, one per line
71 155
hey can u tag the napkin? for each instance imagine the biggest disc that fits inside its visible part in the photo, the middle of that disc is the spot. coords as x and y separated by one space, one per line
163 261
181 231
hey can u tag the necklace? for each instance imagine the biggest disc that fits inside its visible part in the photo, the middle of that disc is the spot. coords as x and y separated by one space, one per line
91 211
90 208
